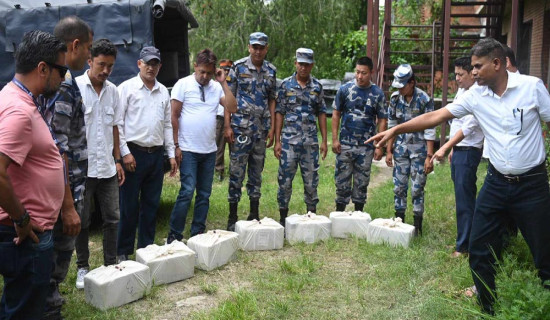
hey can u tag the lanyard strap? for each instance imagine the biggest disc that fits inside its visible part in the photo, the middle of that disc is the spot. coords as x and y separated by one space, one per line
41 111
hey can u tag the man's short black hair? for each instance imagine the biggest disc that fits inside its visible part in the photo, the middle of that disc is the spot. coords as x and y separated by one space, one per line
464 63
104 47
71 28
365 61
491 48
511 56
37 46
206 57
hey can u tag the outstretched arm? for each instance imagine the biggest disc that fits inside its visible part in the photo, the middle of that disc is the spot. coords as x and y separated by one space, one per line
425 121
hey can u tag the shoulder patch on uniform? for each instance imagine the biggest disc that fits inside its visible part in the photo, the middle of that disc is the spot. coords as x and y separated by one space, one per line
270 65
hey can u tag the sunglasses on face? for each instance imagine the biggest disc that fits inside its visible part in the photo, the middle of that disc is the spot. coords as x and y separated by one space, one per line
62 69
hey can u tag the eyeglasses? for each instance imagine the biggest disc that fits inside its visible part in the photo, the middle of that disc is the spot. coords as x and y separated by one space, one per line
152 63
202 93
62 69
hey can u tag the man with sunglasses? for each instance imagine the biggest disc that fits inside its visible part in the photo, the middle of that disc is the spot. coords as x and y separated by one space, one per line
31 177
67 120
195 101
145 134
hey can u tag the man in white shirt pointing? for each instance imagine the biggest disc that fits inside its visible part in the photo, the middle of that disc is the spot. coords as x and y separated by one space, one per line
509 108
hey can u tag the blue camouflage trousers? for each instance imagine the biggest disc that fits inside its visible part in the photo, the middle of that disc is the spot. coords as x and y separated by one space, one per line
409 162
307 157
246 152
353 162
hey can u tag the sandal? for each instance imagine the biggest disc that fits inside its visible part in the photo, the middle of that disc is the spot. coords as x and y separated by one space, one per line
470 292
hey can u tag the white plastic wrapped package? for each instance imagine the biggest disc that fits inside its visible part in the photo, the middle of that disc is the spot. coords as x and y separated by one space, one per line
308 228
169 263
346 223
214 248
116 285
391 231
266 234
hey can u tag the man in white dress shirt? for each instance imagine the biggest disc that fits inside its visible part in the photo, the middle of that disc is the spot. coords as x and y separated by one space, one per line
146 132
509 108
102 117
466 145
195 101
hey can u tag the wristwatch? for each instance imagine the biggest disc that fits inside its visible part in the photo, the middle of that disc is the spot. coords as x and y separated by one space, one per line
23 221
118 160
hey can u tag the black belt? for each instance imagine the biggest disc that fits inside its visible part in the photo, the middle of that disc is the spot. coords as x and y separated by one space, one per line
144 149
462 148
510 178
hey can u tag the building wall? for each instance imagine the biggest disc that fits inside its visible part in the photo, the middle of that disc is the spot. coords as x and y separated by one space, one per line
534 10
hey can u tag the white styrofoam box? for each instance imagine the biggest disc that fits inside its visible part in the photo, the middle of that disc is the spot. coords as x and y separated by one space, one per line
391 231
214 248
266 234
169 263
115 285
346 223
308 228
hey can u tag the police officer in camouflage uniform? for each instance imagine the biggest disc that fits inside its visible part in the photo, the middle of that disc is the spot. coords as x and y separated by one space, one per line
299 100
361 105
411 152
250 130
66 113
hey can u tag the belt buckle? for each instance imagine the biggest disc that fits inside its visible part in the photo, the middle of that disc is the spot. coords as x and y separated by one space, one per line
511 179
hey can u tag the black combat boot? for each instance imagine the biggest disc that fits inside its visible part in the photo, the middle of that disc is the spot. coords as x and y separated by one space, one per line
418 226
284 213
312 209
254 210
232 216
340 207
400 214
359 206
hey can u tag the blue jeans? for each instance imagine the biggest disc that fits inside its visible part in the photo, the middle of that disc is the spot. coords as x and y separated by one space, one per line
464 174
196 171
26 269
527 203
139 201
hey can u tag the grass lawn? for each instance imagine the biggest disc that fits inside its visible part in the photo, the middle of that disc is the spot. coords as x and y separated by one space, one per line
336 279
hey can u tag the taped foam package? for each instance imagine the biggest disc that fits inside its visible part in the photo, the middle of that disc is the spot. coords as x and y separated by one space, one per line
266 234
308 228
390 231
347 223
115 285
214 248
169 263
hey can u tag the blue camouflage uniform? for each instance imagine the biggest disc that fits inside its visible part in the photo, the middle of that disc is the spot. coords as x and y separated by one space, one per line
360 108
65 113
252 89
299 141
410 150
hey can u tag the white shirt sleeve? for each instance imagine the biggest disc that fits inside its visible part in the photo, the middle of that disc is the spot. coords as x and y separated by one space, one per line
178 92
469 125
460 106
543 101
124 150
168 133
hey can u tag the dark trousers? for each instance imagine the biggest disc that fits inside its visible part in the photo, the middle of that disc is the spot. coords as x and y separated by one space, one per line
26 271
139 201
527 203
106 191
464 174
196 172
220 142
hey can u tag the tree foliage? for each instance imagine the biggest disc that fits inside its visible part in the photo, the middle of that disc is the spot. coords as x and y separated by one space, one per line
322 25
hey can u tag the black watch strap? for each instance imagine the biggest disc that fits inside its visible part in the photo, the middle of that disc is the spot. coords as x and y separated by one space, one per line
118 160
23 221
